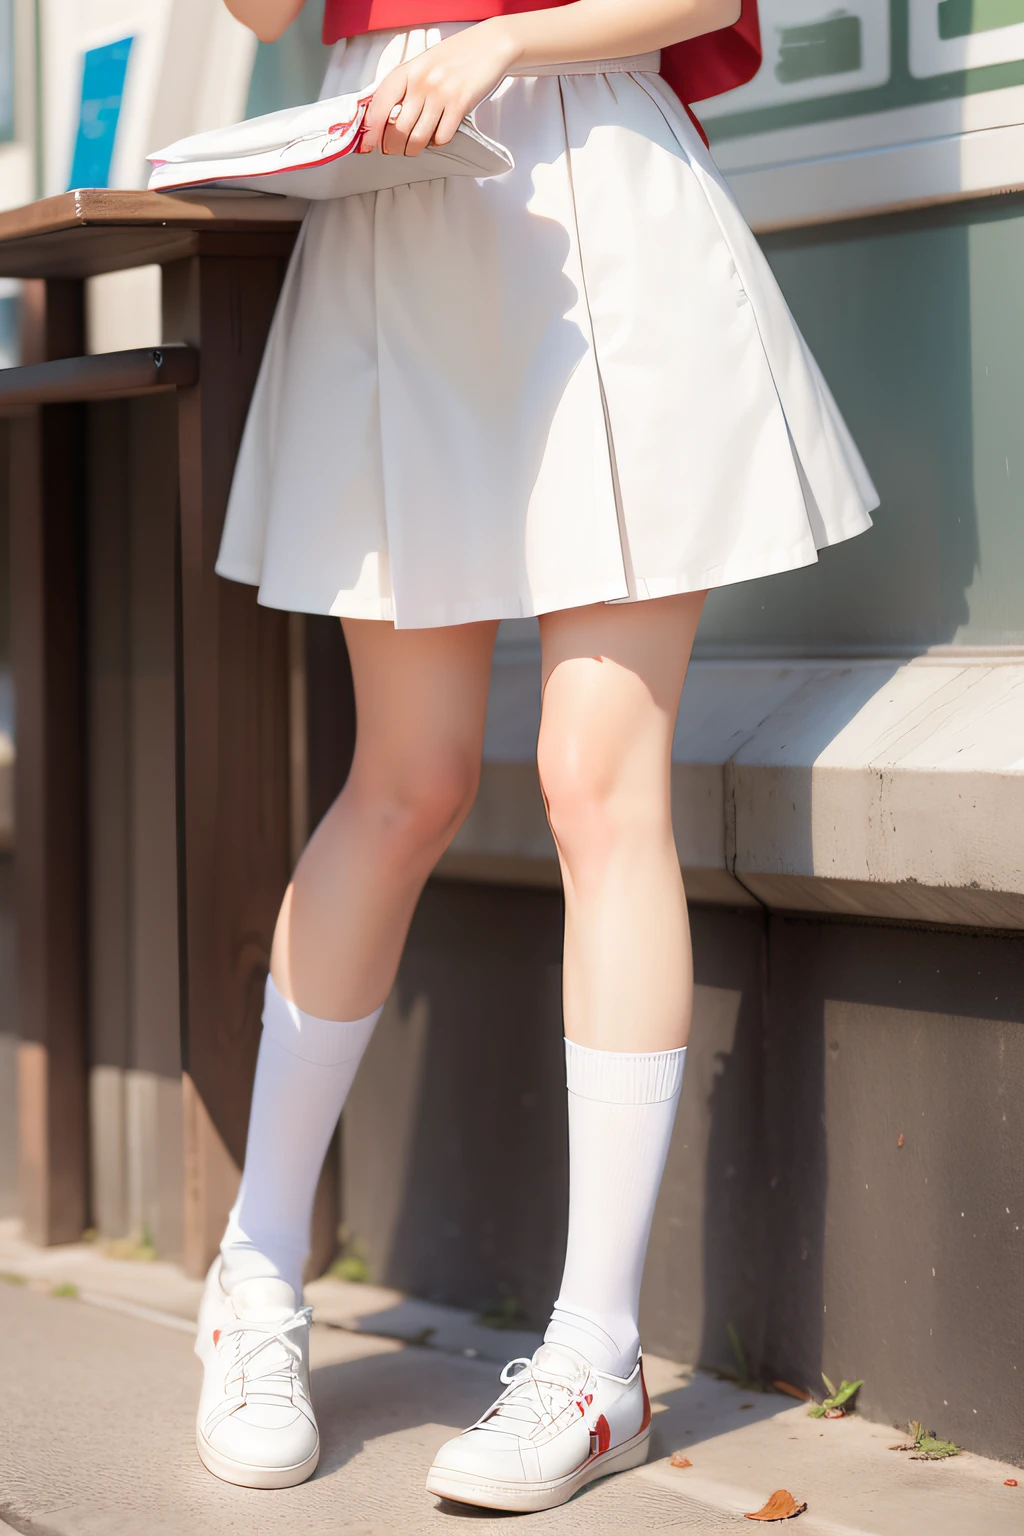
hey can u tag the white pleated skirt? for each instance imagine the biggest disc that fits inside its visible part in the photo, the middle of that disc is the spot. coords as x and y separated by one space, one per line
574 383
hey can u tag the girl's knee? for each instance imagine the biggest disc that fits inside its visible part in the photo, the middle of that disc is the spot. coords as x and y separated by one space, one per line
582 793
598 798
417 804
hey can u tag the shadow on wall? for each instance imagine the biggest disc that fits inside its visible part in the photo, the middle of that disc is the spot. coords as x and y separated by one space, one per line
454 1138
897 1261
707 1252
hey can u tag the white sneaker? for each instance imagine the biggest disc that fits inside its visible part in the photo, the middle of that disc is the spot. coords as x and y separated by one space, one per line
559 1425
255 1425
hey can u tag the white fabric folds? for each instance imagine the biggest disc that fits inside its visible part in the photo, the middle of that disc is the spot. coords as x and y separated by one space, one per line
576 382
311 152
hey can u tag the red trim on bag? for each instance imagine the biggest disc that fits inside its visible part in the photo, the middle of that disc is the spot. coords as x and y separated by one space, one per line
283 170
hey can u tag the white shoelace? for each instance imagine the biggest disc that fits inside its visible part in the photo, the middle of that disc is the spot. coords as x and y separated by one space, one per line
535 1399
266 1370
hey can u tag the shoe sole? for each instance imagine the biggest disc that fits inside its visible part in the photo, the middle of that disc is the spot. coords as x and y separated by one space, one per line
531 1498
245 1476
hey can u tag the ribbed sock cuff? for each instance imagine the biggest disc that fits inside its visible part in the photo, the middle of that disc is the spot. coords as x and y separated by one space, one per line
620 1077
321 1041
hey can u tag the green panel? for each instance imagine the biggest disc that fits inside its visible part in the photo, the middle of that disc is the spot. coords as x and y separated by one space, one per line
901 89
831 46
289 72
918 326
961 18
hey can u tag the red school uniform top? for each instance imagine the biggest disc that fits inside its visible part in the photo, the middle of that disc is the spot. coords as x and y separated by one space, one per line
704 66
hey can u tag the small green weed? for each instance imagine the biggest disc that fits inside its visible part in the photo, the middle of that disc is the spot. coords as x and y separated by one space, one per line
65 1288
834 1406
925 1446
9 1277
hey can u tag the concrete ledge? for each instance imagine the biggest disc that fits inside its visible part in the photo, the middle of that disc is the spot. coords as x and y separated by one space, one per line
876 788
881 788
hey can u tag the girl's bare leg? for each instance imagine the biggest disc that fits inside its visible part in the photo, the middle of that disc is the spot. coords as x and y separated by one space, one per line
612 679
421 697
420 703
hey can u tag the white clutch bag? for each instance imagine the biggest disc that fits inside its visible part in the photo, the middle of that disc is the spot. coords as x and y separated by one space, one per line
311 152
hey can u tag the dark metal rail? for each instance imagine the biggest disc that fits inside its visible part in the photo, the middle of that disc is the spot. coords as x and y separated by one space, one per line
104 376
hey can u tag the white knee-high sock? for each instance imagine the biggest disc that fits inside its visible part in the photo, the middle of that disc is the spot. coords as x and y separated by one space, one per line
621 1111
304 1071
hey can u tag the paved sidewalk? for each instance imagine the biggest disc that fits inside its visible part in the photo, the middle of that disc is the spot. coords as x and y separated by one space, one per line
97 1399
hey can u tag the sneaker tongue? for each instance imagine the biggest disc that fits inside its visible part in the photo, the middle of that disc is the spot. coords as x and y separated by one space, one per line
563 1363
263 1301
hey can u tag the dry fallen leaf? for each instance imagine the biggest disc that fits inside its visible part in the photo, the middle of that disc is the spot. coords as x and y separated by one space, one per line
1009 1482
679 1460
899 1139
791 1391
781 1506
834 1413
904 1445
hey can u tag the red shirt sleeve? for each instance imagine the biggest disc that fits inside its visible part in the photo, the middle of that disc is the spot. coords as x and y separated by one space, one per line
718 61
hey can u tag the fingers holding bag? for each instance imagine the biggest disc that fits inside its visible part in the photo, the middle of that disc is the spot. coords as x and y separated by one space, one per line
424 101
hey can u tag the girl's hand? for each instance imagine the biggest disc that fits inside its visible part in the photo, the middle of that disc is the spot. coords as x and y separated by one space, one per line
425 100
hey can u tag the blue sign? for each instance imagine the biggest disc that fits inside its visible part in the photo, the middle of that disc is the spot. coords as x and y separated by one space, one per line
103 72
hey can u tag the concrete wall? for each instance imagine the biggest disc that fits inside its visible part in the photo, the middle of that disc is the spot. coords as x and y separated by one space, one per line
901 1264
788 1208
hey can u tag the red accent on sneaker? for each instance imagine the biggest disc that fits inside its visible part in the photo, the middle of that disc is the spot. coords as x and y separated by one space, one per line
647 1401
216 1336
603 1435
